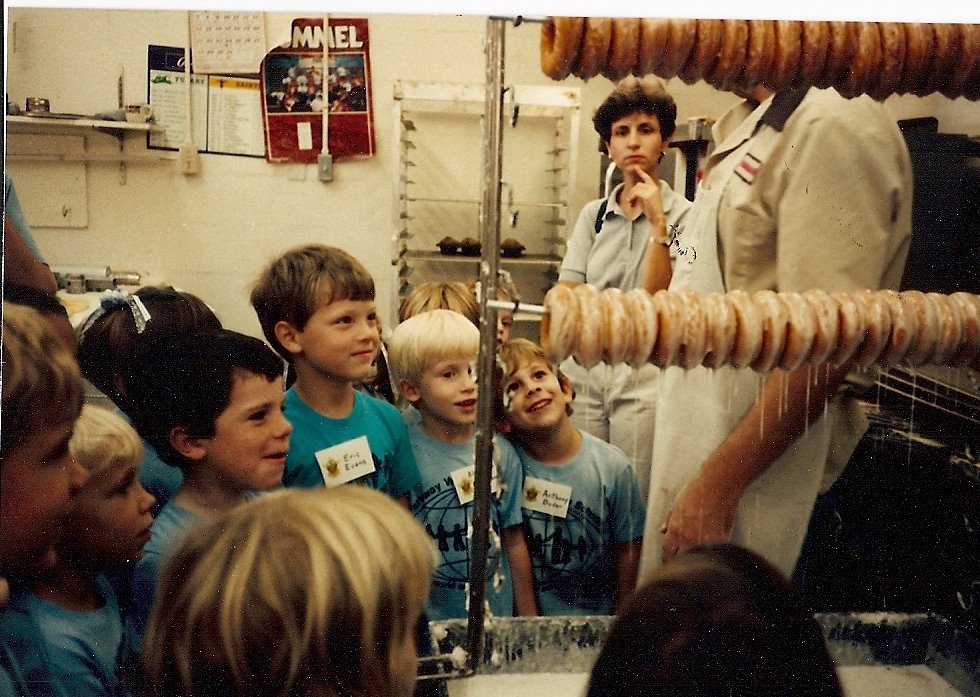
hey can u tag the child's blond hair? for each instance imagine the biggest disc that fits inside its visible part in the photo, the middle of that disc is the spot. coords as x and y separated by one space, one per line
302 591
428 338
104 441
42 385
295 285
447 295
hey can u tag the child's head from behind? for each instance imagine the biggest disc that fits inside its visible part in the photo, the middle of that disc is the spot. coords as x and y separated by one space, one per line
446 295
533 395
216 399
319 594
113 338
716 620
42 396
432 357
109 519
301 281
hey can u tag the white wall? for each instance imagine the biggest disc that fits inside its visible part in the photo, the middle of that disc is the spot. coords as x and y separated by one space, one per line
211 233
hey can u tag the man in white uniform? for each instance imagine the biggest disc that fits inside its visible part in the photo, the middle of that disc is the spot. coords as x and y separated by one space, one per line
805 189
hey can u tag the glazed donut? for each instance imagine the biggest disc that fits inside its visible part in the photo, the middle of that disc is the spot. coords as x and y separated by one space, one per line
587 346
877 328
694 345
595 47
561 38
892 60
801 331
971 86
727 70
946 52
775 325
851 329
840 54
903 329
826 310
786 61
950 328
969 55
654 37
705 51
919 40
560 322
623 46
923 313
682 34
748 337
814 47
759 52
866 61
722 329
671 315
616 334
968 307
639 305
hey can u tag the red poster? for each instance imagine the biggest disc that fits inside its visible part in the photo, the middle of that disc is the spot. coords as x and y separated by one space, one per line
295 96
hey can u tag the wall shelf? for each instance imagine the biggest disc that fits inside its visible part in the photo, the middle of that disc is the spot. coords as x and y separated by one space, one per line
48 124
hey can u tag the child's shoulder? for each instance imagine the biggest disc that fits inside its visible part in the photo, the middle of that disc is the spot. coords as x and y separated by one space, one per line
606 454
369 403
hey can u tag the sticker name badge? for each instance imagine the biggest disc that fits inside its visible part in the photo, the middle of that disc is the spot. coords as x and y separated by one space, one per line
464 480
546 497
346 461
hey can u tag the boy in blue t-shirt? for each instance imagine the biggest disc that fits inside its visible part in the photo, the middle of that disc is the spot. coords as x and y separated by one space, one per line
432 357
316 308
583 512
74 609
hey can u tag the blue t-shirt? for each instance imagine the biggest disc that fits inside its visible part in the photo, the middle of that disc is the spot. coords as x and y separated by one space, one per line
436 504
167 533
82 649
574 558
24 666
395 471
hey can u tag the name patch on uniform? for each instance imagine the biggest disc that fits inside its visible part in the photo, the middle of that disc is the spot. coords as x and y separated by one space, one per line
464 480
345 461
748 168
546 497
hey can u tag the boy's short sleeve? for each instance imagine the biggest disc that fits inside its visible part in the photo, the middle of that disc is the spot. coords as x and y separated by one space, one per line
630 510
511 473
405 474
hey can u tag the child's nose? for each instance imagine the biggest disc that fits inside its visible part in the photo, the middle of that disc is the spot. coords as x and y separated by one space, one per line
285 427
146 500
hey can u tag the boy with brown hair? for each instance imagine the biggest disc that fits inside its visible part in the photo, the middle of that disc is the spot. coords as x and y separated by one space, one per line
583 513
316 307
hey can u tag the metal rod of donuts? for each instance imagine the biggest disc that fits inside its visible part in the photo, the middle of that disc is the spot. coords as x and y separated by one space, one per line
874 58
762 330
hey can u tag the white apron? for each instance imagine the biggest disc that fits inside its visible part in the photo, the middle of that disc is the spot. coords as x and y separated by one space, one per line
698 408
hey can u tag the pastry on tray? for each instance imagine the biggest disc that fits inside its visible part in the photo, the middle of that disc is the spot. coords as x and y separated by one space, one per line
511 248
470 247
448 245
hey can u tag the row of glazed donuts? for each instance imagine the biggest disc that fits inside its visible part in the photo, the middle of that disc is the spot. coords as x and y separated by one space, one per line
875 58
762 330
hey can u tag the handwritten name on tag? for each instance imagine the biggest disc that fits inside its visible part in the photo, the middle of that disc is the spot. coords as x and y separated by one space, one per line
546 497
464 480
346 461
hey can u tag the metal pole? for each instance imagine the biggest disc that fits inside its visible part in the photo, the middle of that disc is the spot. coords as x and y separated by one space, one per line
490 244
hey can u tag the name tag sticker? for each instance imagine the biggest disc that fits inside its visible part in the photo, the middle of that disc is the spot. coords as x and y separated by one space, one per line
464 480
546 497
346 461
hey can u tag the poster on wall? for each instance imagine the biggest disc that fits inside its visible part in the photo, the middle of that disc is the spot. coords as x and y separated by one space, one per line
299 88
225 116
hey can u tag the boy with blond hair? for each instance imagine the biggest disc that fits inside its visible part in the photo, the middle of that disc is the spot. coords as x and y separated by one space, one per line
74 609
583 512
316 307
433 357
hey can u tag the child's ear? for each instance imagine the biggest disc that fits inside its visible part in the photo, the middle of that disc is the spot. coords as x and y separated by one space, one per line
566 385
287 334
409 391
187 446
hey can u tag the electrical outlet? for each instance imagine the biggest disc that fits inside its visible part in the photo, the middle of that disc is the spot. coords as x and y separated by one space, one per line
324 167
188 159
